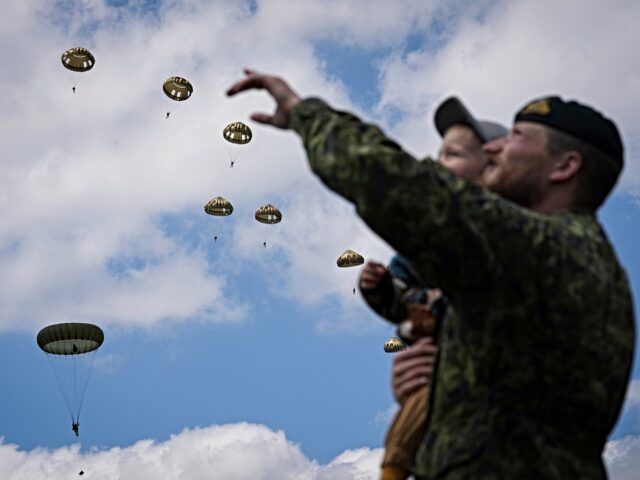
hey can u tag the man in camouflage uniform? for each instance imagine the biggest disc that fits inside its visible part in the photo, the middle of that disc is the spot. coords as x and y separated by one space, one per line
535 356
398 294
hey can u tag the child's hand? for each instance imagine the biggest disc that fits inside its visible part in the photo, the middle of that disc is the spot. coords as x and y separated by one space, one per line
372 275
375 285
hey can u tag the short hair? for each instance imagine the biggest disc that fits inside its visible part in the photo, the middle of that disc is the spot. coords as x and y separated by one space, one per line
598 174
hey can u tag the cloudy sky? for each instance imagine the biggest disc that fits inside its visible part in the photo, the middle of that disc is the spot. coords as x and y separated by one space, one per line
225 356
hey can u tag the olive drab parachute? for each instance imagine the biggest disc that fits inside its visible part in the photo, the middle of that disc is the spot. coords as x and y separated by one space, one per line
350 259
70 348
78 59
219 207
268 214
177 88
394 345
237 132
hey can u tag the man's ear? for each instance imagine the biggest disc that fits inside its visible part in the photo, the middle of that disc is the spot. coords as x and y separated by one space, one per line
566 166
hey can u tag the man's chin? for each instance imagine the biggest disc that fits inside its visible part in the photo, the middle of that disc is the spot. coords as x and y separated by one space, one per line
489 177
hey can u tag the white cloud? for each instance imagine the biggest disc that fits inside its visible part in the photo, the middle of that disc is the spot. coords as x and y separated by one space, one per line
363 23
519 51
88 177
235 451
622 458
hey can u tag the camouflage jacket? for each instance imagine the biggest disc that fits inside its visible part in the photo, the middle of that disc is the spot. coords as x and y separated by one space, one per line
536 352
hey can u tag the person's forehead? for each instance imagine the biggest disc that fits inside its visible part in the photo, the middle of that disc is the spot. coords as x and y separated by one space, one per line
533 128
459 132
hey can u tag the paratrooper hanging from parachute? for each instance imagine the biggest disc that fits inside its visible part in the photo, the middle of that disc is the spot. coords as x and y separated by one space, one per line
78 60
268 214
239 134
218 207
348 259
70 348
178 89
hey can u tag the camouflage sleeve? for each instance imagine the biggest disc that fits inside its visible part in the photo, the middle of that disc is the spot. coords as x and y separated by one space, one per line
443 223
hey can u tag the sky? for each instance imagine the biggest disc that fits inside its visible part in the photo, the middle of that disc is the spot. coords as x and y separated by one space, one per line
225 356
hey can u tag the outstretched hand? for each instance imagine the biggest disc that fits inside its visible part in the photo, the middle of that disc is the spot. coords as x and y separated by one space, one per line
284 96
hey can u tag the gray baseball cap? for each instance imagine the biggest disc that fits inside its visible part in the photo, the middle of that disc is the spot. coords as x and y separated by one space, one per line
452 112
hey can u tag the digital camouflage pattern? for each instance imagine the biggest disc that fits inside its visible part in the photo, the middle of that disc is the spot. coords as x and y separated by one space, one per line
535 354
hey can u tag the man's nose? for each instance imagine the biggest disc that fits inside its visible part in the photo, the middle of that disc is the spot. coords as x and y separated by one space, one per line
493 146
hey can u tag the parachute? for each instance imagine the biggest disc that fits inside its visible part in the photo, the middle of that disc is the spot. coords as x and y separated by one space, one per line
177 88
70 348
394 344
78 59
237 132
349 258
218 207
268 214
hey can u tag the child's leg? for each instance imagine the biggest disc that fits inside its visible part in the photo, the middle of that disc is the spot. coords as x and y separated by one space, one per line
404 436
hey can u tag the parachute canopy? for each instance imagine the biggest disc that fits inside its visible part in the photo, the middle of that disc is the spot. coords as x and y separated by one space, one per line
237 132
78 59
268 214
394 345
177 88
70 338
219 207
350 259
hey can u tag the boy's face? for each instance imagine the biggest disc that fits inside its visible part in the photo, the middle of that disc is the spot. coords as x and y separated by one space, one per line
461 152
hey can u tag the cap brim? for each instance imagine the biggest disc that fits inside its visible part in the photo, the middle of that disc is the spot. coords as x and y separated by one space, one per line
452 112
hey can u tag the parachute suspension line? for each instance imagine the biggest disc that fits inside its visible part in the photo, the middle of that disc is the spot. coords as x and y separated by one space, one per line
61 384
167 109
83 391
233 157
74 372
75 385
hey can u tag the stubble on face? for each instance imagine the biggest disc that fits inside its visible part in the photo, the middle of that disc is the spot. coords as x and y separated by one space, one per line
517 164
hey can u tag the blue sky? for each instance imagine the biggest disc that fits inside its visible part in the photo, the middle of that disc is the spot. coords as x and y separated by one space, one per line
226 343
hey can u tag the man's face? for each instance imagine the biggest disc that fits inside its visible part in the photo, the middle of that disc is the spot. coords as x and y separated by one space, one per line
461 152
518 164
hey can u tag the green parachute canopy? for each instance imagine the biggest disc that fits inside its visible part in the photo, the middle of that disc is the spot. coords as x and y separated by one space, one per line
349 258
70 338
394 345
237 132
218 206
78 59
177 88
268 214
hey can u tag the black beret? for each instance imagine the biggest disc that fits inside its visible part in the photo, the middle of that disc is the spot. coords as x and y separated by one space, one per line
577 120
